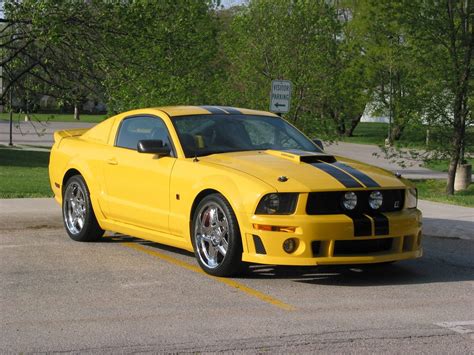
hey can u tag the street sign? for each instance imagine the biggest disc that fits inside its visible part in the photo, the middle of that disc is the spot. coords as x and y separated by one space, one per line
280 96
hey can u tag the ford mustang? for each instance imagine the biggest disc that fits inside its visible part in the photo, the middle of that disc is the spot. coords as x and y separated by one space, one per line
233 185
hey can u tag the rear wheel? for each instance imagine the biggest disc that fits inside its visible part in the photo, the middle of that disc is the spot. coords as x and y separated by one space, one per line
78 215
216 237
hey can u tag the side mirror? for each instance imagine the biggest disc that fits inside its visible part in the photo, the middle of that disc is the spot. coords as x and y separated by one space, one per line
318 143
153 146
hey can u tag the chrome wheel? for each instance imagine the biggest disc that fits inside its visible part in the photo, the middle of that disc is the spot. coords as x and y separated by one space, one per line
74 208
211 233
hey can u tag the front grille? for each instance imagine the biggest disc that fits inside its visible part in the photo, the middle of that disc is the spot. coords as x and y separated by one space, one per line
362 247
331 202
316 247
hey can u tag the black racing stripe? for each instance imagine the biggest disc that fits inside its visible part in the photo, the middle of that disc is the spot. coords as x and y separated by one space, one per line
362 224
341 176
366 180
381 224
213 109
259 248
231 110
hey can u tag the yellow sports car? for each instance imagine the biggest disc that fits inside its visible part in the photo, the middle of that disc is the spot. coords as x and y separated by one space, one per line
234 186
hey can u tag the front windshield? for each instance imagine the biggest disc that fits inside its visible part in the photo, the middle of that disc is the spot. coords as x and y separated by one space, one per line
209 134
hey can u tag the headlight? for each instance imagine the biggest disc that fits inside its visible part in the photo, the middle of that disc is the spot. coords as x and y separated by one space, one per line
349 200
284 203
412 197
375 200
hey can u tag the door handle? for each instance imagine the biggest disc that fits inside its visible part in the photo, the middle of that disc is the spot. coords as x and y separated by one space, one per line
112 161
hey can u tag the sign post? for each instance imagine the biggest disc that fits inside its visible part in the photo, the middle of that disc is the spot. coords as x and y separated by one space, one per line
280 96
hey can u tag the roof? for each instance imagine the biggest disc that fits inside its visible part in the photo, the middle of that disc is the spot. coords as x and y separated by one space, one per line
174 111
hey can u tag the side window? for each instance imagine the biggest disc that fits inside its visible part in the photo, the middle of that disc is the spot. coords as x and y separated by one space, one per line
134 129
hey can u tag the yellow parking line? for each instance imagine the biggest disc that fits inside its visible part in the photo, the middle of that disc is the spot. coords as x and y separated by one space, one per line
228 282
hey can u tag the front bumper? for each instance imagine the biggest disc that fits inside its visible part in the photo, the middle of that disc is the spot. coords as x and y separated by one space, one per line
330 240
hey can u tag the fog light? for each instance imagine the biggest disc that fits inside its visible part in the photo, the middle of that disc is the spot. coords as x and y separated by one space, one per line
375 200
290 245
349 201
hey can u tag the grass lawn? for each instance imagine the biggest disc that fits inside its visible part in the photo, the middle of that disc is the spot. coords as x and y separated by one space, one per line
433 190
443 164
375 133
54 117
24 174
413 137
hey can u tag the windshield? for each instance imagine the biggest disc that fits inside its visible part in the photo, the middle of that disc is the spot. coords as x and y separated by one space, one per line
209 134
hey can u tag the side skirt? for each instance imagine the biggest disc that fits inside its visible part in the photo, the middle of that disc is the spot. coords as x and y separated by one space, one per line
147 234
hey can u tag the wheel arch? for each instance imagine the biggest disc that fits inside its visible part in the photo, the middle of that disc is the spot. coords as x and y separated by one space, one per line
90 181
234 264
69 173
199 197
233 200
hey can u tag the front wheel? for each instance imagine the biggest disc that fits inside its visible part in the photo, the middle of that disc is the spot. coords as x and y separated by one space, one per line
78 215
216 237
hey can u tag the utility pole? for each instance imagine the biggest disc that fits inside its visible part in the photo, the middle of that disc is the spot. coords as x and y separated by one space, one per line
11 116
390 113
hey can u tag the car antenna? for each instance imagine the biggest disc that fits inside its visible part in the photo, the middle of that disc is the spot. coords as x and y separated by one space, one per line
195 158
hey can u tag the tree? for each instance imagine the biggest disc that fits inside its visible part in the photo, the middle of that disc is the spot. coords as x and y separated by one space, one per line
307 42
126 53
168 56
444 33
56 44
396 77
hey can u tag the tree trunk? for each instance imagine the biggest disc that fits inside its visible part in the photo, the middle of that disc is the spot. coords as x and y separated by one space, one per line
462 70
354 122
341 127
76 113
397 132
453 164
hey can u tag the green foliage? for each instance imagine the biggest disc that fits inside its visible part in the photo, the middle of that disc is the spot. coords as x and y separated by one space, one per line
167 57
126 53
49 47
307 42
393 70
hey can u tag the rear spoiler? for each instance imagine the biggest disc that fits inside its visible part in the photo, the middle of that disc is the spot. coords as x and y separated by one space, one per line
59 135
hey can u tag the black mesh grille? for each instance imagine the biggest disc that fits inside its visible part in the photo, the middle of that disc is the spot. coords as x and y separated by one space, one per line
331 202
316 247
362 247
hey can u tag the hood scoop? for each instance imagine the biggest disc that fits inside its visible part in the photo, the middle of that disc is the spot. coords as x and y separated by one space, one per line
301 156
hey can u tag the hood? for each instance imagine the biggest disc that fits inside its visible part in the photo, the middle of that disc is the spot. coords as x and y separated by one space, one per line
306 171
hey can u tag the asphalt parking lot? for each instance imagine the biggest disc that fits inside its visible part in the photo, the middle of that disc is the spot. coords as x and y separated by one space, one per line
128 295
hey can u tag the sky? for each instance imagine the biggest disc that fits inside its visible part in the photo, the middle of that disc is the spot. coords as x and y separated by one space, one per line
230 3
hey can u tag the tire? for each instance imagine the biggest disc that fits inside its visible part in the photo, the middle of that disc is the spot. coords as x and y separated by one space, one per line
216 237
78 215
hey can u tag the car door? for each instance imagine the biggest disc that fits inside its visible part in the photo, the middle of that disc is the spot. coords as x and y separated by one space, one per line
137 184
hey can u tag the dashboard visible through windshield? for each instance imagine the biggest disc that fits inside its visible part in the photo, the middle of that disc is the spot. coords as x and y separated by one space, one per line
210 134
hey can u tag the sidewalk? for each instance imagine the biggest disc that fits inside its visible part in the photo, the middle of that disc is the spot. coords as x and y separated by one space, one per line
450 221
439 220
34 132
